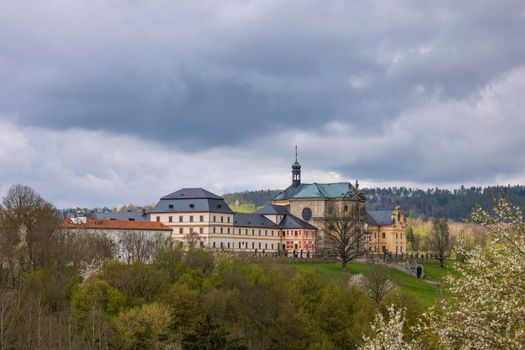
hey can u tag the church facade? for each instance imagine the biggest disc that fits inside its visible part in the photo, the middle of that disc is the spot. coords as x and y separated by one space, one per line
317 203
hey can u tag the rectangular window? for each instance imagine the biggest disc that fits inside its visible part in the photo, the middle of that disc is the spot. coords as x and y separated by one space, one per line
222 218
221 245
259 245
192 205
214 230
221 229
181 230
214 218
228 230
158 218
384 235
228 219
228 245
181 218
259 232
170 218
191 218
253 245
213 244
170 206
201 230
201 218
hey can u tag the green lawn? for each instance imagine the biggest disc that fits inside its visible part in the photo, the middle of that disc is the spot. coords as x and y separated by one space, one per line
424 292
436 272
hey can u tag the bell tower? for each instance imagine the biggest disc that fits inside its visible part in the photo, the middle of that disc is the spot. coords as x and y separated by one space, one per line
296 171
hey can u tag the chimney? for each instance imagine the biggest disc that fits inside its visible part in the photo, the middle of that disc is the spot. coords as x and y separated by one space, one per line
143 212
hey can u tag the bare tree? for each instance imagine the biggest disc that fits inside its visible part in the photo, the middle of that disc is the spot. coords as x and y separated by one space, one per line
29 224
344 230
193 239
85 247
439 240
140 245
378 283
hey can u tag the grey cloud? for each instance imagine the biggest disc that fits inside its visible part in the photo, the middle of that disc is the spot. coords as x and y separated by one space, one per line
164 70
375 90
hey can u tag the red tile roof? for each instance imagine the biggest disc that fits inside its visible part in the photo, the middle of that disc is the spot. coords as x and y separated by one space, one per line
117 225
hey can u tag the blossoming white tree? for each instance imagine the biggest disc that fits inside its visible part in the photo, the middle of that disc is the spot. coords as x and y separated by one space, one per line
484 307
387 334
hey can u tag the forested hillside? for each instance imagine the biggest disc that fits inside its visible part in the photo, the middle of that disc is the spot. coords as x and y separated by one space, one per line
249 201
453 204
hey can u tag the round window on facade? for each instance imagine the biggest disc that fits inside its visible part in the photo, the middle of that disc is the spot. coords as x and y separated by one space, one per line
307 214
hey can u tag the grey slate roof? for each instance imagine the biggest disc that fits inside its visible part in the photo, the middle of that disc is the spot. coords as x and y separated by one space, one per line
191 193
252 220
272 209
126 216
291 222
191 200
191 205
379 217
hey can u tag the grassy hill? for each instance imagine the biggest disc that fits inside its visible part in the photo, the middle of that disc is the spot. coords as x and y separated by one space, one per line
426 293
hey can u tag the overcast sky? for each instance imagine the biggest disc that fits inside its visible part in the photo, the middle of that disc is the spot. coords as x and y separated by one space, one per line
105 102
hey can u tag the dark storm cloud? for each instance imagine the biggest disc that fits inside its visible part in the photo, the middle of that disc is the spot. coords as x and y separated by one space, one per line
196 76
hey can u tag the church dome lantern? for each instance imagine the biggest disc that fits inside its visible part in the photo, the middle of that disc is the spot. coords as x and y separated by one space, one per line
296 171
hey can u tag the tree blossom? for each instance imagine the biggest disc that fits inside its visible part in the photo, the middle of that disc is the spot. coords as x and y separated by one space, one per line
484 307
387 334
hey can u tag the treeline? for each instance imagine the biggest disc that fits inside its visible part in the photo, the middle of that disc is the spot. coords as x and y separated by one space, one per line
64 290
452 204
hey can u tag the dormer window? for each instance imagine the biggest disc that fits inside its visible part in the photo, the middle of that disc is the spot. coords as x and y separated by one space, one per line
170 206
192 205
219 205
